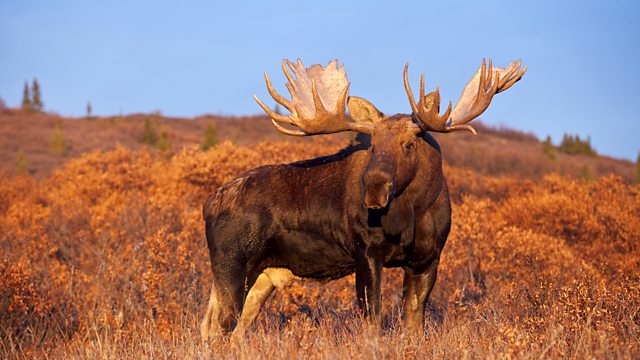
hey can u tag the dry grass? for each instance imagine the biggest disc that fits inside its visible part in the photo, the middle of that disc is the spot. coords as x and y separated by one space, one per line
106 258
482 338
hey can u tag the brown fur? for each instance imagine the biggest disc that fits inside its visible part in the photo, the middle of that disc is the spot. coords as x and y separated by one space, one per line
381 202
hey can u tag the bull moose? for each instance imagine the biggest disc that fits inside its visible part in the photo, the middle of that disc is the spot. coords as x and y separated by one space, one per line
380 202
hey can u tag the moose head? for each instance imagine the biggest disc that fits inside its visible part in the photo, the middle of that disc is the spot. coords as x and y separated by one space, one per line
319 98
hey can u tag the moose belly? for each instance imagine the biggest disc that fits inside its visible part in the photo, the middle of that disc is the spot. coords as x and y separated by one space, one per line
312 256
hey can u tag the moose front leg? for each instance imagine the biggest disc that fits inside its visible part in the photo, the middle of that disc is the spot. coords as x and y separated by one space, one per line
416 290
368 279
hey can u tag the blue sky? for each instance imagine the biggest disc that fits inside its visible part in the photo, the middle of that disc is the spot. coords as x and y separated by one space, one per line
194 57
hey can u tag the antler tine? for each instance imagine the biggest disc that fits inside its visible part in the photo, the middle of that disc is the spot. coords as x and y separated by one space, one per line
286 131
515 79
272 114
427 118
407 87
317 102
288 75
479 91
483 97
313 90
490 72
447 112
342 99
277 97
509 78
483 69
291 65
290 88
475 99
513 67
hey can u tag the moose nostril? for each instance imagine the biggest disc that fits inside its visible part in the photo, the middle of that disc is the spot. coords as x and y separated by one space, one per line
378 190
388 186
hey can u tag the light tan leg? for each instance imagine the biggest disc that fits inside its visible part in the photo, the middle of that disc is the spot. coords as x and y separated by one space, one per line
280 277
258 294
207 327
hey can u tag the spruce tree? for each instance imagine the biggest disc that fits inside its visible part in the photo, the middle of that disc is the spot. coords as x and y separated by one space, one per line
58 143
548 149
26 98
164 143
572 144
585 174
149 134
22 166
36 96
210 136
89 110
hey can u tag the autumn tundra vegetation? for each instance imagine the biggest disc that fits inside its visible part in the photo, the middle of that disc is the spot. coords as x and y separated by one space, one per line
103 251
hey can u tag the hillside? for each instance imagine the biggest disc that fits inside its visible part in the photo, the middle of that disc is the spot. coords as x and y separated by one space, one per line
493 151
103 253
33 133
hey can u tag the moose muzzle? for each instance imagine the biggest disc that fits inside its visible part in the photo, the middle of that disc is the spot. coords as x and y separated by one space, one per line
378 189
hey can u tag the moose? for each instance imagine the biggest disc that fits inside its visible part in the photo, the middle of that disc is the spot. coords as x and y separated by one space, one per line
382 201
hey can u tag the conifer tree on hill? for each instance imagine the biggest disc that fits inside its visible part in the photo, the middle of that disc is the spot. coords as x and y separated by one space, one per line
26 98
36 97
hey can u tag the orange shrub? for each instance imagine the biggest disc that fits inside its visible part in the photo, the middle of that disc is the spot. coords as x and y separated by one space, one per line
115 242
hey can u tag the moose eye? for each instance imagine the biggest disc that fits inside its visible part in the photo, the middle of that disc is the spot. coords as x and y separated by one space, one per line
409 145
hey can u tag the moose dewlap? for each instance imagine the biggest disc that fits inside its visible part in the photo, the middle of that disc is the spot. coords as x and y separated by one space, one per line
380 202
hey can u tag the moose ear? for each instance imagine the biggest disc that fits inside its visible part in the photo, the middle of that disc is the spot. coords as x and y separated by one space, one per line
362 110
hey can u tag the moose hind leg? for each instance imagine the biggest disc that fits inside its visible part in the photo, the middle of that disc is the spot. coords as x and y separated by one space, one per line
260 291
207 328
258 294
223 308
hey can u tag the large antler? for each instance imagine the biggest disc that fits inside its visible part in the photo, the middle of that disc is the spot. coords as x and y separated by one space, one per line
313 91
475 98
